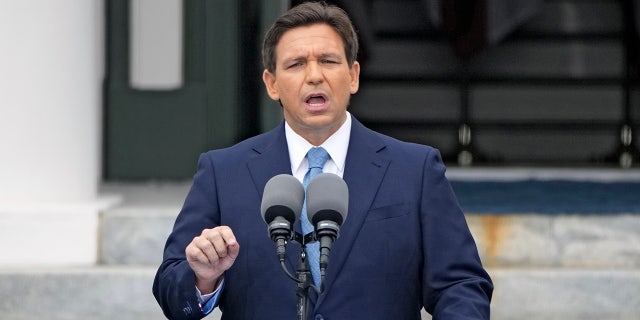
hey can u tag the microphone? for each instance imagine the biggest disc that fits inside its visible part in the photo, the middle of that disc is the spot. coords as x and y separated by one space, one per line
327 206
280 208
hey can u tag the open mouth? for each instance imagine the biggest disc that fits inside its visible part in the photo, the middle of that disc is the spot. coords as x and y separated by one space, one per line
316 100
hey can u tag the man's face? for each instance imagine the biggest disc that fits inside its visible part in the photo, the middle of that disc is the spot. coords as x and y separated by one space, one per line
312 80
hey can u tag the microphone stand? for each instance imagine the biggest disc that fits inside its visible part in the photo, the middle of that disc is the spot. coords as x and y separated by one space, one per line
302 285
280 231
303 276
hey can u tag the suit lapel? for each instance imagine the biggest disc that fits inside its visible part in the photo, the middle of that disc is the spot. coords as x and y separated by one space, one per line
271 159
365 166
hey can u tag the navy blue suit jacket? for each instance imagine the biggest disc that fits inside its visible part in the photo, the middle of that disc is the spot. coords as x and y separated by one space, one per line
404 245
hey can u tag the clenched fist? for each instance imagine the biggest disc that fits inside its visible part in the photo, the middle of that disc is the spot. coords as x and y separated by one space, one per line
210 254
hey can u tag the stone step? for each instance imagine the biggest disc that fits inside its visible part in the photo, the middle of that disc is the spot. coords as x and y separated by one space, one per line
78 293
544 266
134 233
116 292
549 241
135 236
566 294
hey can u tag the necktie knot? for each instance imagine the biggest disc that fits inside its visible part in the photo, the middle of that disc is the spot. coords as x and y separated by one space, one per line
317 157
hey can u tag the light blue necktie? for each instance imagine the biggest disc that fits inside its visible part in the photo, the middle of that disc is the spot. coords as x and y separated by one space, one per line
317 158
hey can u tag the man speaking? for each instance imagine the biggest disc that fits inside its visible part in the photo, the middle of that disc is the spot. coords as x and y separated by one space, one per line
405 244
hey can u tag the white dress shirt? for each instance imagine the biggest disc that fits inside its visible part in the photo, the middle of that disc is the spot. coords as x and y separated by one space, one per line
336 145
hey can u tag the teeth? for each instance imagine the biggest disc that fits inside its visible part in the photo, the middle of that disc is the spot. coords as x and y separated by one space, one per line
316 101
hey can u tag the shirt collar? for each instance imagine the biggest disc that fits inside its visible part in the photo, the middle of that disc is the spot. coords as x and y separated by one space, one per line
336 145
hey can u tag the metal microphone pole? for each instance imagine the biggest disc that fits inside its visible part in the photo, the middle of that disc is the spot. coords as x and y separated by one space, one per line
303 277
302 285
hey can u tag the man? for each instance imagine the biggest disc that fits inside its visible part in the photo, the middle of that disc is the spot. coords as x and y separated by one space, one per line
405 244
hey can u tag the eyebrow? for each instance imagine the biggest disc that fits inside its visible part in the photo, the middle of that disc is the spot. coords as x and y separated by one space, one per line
334 56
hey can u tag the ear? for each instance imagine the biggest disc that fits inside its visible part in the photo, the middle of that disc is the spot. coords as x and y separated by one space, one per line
354 72
270 83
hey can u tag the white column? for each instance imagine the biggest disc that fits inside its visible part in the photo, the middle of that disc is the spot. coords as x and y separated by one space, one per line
51 68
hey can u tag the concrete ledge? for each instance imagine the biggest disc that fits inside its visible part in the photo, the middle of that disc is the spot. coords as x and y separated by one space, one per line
565 294
134 233
582 241
78 293
125 293
51 234
135 236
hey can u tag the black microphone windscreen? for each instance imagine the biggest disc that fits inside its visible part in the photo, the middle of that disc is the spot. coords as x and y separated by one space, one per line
327 199
283 197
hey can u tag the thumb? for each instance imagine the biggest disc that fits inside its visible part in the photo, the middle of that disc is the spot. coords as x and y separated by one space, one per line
233 250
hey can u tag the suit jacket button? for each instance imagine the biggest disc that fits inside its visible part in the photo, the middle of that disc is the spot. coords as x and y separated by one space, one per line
319 317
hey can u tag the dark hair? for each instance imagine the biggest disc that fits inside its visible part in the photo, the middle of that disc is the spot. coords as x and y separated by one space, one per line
307 14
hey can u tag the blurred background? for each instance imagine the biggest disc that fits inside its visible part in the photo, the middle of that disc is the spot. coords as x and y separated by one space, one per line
105 106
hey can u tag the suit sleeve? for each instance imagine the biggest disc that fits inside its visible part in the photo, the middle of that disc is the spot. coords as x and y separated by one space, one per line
455 284
174 284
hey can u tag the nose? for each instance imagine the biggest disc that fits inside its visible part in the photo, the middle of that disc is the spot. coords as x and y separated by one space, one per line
314 73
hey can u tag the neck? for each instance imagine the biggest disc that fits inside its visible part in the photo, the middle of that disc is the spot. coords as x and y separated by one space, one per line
318 135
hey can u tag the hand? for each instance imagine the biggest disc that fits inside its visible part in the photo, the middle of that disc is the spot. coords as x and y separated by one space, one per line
210 255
